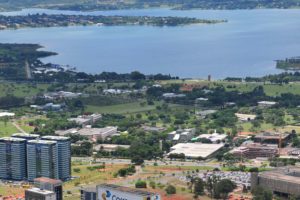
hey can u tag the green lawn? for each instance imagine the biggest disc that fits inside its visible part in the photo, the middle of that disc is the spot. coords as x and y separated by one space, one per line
8 129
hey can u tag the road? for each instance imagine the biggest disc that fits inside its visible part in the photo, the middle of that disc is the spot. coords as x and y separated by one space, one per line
148 162
28 70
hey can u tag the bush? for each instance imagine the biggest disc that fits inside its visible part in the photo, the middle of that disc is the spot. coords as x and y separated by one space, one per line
140 184
77 170
170 189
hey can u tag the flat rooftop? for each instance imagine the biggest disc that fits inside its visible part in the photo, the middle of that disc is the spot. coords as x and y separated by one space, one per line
195 150
268 135
287 174
48 180
96 131
25 135
55 138
39 191
41 142
127 189
12 139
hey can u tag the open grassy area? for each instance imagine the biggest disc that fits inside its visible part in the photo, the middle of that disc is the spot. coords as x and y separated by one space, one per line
7 129
88 177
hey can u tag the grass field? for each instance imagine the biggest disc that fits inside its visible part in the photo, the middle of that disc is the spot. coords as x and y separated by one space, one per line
7 129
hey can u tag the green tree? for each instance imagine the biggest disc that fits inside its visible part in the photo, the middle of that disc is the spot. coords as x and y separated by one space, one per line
223 188
170 189
260 193
140 184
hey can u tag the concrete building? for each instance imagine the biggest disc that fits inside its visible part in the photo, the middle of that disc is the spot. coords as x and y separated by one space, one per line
245 117
181 135
173 95
273 138
12 158
63 155
196 150
38 194
84 120
7 114
281 181
266 104
255 150
213 138
26 136
88 194
42 159
114 192
49 184
95 134
204 113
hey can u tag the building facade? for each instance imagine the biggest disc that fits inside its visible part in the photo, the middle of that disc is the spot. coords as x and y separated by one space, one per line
88 194
38 194
64 155
49 184
12 158
284 181
42 159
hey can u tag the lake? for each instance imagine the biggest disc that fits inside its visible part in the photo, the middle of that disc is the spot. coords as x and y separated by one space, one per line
247 45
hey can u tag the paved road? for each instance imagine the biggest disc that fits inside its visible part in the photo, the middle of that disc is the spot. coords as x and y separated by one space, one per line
148 162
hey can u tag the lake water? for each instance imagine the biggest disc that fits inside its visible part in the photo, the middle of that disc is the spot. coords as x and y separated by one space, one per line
247 45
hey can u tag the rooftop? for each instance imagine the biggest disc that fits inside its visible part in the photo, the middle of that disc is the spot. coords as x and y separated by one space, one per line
24 135
39 191
6 114
42 142
55 138
287 174
195 150
48 180
95 131
127 189
12 139
268 135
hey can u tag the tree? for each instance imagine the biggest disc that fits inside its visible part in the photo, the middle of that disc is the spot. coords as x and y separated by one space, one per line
170 189
210 184
261 193
198 186
223 188
140 184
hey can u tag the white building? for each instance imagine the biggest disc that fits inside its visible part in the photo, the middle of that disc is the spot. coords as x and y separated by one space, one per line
7 114
36 193
245 117
196 150
214 138
181 135
266 104
84 120
95 134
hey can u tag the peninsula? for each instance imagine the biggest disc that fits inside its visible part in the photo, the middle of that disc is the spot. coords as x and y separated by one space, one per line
289 64
59 20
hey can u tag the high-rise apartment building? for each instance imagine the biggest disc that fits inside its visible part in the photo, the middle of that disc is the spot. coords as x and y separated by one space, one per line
64 155
12 158
42 159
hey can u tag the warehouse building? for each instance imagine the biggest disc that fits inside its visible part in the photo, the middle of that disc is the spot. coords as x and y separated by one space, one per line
196 150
